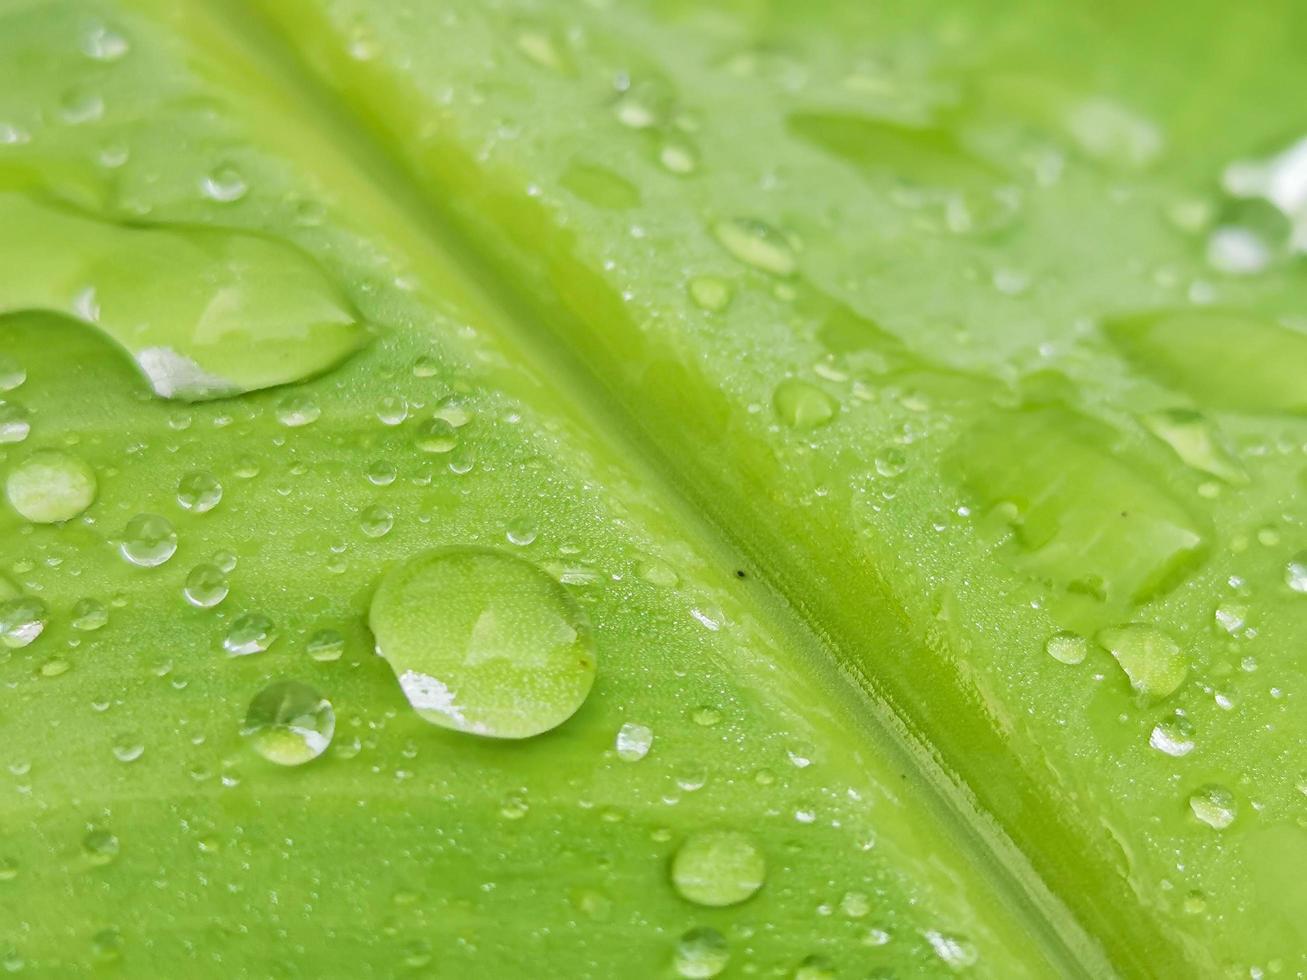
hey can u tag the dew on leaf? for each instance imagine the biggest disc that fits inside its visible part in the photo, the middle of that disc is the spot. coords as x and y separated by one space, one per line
89 615
718 867
1295 573
1150 657
148 540
701 953
199 492
12 373
484 642
1214 805
224 184
49 487
633 741
758 245
206 586
955 951
100 846
1067 648
14 424
710 293
251 633
1173 736
815 967
289 723
326 645
436 435
296 411
801 405
22 619
376 521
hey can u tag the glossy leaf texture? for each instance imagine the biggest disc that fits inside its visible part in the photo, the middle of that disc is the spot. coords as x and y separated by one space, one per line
866 435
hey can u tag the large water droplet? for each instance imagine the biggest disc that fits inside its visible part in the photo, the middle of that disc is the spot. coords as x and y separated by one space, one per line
1150 657
801 405
1067 648
484 642
295 411
1174 736
701 953
326 645
757 244
289 723
50 486
718 867
1214 805
21 620
148 540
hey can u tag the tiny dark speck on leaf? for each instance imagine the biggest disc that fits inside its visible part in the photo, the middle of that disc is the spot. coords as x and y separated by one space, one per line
739 573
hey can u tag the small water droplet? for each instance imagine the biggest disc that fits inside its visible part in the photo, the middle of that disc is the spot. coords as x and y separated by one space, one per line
148 540
1067 648
100 845
392 410
633 741
436 435
251 633
953 950
295 411
21 620
426 366
206 586
289 723
718 867
1174 736
757 244
701 953
107 945
678 156
12 374
326 645
199 492
710 293
128 749
1295 572
14 425
705 716
89 615
855 905
81 105
815 967
484 642
891 462
801 405
521 532
1214 805
376 521
645 104
104 44
224 184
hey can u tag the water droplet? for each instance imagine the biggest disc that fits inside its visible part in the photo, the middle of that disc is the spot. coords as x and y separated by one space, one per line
107 945
89 615
376 521
295 411
705 716
225 185
801 405
1114 134
206 586
128 749
593 904
1174 736
1236 251
289 723
484 642
678 156
1214 805
710 293
50 486
815 968
514 807
12 374
1193 439
521 532
718 867
148 540
81 105
14 425
392 410
891 463
8 869
1295 572
701 953
633 741
251 633
104 44
645 104
855 905
21 620
199 492
381 473
953 950
100 845
1231 616
436 435
757 244
1150 657
326 645
426 366
1067 648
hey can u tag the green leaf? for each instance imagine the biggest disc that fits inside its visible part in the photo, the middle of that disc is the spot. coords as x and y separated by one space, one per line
752 410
